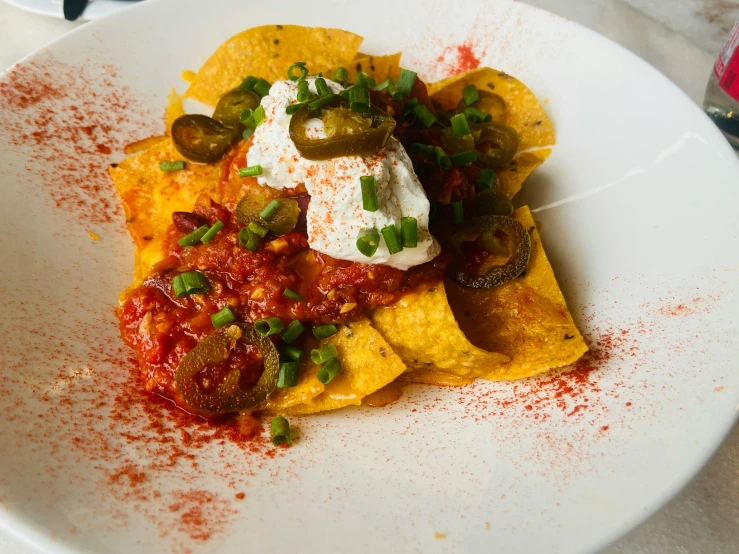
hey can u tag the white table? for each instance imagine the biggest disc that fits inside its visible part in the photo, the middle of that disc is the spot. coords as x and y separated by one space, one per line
681 39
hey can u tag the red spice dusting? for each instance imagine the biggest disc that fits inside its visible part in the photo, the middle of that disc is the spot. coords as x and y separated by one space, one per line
240 496
461 57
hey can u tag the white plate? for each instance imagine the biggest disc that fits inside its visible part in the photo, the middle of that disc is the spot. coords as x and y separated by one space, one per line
53 8
637 207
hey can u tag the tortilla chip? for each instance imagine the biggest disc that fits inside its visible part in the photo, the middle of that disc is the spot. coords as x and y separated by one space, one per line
431 377
512 176
368 363
526 318
144 144
525 114
267 52
150 195
377 67
307 389
421 329
173 110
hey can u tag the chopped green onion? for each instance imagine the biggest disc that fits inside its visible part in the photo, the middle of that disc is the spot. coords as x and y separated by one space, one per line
268 326
293 331
476 116
322 87
364 80
292 108
194 282
193 238
345 93
486 179
458 212
460 125
442 160
303 91
409 104
302 71
288 376
406 80
470 95
392 241
409 232
323 354
252 121
212 232
178 287
329 370
324 331
386 84
424 115
259 116
179 165
425 149
463 158
368 241
249 239
321 101
270 210
246 115
369 193
290 352
341 76
292 294
359 99
279 431
251 171
248 83
247 133
220 319
257 229
261 87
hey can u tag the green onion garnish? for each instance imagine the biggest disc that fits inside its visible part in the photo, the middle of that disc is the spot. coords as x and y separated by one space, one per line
288 376
248 83
486 179
259 116
247 133
460 125
324 331
470 95
323 354
392 241
292 294
302 71
364 80
406 80
270 210
329 370
458 212
261 87
279 431
268 326
252 121
220 319
321 101
425 149
193 238
251 171
386 84
368 241
178 287
249 239
369 193
409 232
345 93
257 229
341 76
293 331
442 160
292 108
322 87
290 352
179 165
476 116
212 232
359 100
193 282
463 158
246 115
303 91
424 115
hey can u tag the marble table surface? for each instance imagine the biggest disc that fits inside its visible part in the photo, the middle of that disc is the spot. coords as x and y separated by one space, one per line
681 38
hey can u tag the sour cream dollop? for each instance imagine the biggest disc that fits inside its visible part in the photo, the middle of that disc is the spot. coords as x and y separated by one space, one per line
336 216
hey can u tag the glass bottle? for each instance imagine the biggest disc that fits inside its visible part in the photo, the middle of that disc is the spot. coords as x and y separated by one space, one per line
721 101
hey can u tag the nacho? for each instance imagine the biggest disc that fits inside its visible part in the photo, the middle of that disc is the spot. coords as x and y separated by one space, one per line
526 319
173 110
267 52
377 67
512 176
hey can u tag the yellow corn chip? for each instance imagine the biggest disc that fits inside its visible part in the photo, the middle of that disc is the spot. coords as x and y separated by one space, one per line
421 329
524 112
267 52
512 176
173 110
526 318
431 377
377 67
